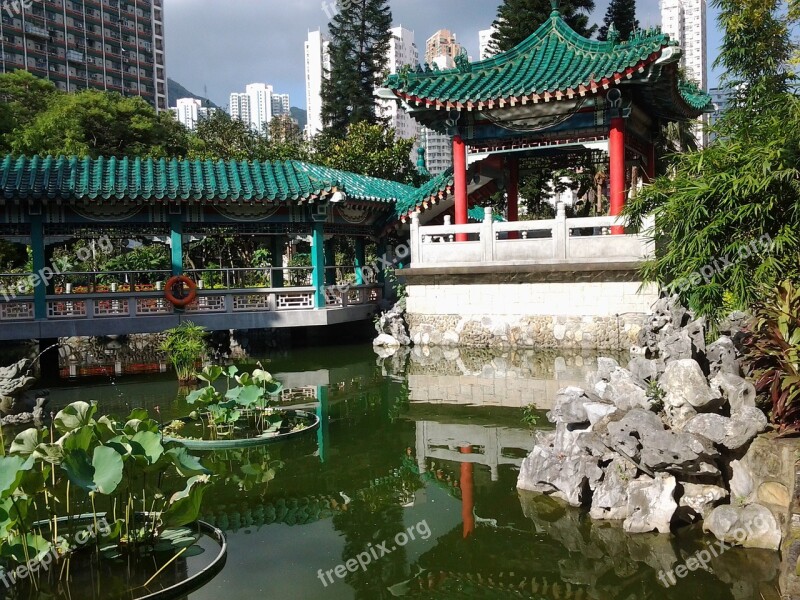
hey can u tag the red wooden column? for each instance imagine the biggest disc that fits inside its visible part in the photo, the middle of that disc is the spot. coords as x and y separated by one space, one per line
512 190
467 497
460 176
616 149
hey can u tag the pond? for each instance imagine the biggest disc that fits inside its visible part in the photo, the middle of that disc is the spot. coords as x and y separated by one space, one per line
408 489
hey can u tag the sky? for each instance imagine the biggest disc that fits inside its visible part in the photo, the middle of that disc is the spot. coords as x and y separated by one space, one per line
222 45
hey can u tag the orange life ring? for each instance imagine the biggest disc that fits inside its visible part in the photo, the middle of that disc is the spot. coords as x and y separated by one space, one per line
176 287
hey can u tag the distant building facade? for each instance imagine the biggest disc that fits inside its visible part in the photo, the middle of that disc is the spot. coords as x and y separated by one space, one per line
484 42
257 105
442 43
317 64
402 51
190 111
438 146
89 44
721 97
685 22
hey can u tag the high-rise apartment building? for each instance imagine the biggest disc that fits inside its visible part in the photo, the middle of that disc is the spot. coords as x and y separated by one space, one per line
113 45
685 22
190 111
441 43
280 105
484 42
318 63
256 106
438 146
402 51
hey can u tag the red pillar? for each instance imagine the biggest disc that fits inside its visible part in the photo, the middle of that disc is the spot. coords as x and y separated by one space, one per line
467 498
617 175
460 176
512 190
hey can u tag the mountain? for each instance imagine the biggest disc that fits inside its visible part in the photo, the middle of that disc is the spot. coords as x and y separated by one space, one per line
176 90
301 116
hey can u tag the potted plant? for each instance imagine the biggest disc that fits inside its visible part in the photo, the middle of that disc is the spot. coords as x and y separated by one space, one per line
185 345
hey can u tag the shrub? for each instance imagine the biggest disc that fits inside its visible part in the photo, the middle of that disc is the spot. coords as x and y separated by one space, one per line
772 355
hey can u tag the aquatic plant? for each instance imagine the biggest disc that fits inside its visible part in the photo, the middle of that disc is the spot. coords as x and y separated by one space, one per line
252 396
97 468
185 346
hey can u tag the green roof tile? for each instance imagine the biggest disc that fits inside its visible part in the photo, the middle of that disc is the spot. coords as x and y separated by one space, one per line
71 178
553 59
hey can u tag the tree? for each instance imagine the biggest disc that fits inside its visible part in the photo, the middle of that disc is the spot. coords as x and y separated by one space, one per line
622 15
22 97
368 150
359 46
518 19
727 219
94 123
219 137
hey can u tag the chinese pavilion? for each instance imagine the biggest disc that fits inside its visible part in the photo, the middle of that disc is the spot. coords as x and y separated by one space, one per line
555 94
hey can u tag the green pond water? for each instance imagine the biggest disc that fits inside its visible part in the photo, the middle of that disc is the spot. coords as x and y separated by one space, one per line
413 473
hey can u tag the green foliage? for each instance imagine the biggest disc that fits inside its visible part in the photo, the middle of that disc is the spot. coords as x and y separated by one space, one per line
530 415
622 15
94 123
726 219
142 258
185 345
220 411
105 463
359 46
220 137
756 48
772 355
367 150
518 19
22 97
656 394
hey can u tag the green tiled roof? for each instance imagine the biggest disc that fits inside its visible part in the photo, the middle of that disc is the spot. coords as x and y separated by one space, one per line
417 199
476 213
173 180
554 61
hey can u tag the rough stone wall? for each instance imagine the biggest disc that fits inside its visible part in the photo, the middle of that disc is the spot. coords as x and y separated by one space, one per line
525 331
606 313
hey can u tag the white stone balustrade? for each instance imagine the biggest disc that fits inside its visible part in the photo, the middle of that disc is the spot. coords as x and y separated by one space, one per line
557 241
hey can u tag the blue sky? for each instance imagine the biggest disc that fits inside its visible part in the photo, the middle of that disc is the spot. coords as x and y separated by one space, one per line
222 45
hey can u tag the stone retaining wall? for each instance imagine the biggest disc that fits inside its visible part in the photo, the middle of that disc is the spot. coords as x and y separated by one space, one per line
563 309
533 331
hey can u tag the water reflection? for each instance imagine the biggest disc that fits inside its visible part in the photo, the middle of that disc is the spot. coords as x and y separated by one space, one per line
434 437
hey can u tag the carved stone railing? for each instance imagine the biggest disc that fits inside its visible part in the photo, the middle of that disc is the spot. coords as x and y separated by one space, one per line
558 240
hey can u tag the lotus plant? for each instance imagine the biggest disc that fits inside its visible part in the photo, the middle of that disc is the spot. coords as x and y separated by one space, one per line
252 394
100 467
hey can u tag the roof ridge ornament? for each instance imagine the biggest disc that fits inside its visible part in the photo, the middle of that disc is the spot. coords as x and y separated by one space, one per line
462 61
556 8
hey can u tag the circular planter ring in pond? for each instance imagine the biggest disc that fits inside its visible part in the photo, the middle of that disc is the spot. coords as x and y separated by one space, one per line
200 445
187 586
